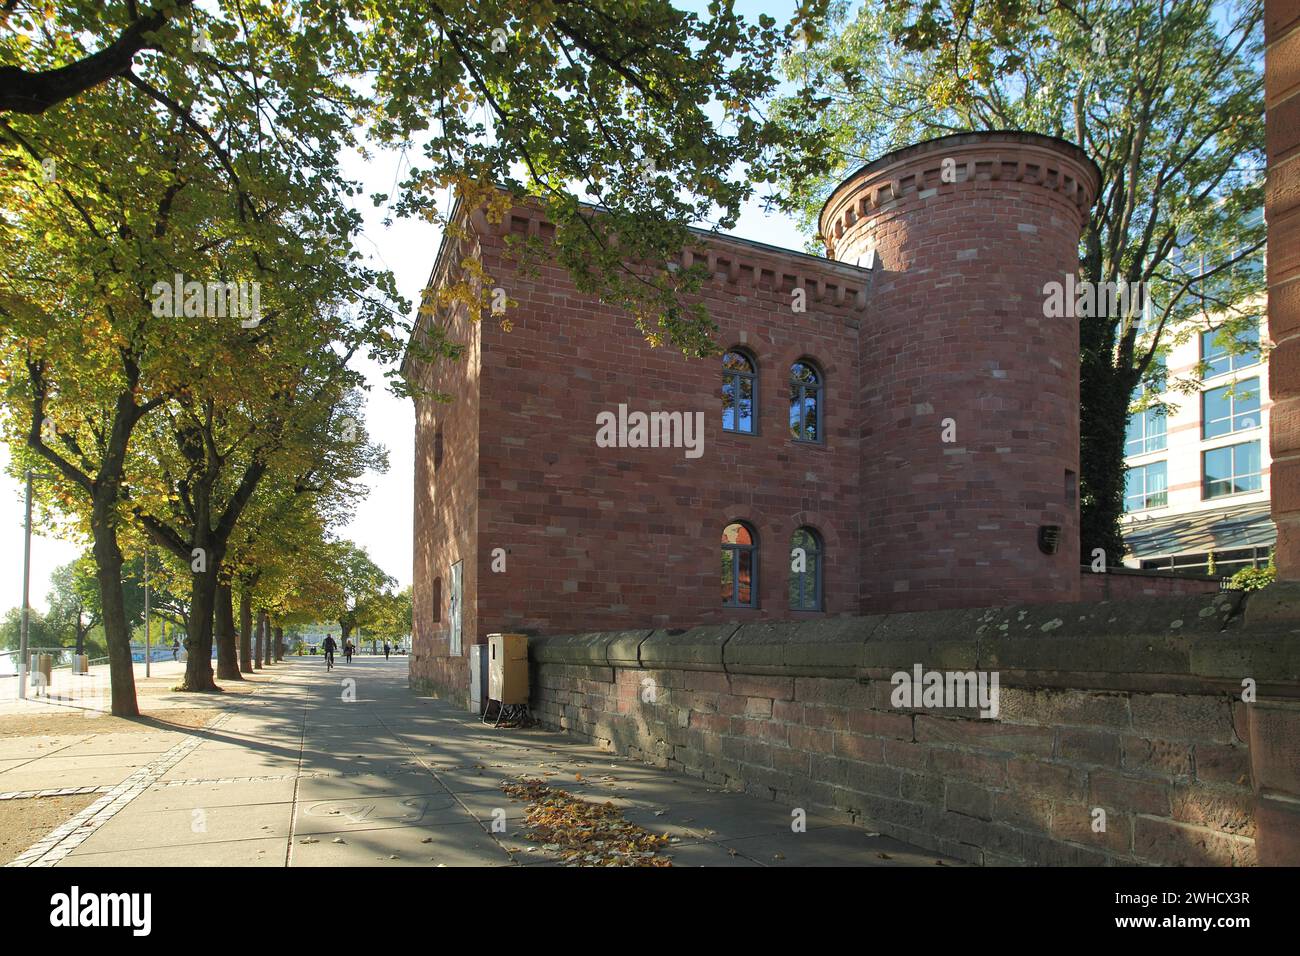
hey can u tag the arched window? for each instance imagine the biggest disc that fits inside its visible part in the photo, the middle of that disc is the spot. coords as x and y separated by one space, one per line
805 571
739 566
805 402
739 393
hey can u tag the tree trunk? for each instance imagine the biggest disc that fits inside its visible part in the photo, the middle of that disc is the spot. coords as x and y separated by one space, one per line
246 630
117 634
203 599
257 643
279 644
264 627
227 655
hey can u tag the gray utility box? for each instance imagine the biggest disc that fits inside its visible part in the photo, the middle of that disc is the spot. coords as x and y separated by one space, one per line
478 678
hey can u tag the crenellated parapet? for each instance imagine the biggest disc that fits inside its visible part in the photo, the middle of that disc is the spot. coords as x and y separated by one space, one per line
907 179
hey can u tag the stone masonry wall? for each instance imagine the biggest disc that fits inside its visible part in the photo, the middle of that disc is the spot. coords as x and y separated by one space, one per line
446 509
1131 708
1122 584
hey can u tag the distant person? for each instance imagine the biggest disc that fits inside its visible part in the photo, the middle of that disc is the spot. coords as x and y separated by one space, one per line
328 645
386 649
348 648
176 649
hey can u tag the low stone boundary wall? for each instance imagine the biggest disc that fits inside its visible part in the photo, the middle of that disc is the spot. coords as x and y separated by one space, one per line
1132 709
1123 584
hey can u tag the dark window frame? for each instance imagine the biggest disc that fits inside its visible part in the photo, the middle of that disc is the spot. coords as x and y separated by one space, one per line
733 378
814 561
1232 416
1147 495
752 549
1150 441
1234 477
799 392
1232 358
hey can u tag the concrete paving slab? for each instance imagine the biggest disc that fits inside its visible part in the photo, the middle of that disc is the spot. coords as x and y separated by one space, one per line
707 854
736 816
210 762
268 852
378 813
460 844
232 794
150 829
361 786
833 846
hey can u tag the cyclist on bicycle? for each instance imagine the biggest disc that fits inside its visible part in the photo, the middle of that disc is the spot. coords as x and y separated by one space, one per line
328 646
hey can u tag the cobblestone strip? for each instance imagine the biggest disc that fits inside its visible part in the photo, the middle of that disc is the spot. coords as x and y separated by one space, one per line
272 778
61 792
64 839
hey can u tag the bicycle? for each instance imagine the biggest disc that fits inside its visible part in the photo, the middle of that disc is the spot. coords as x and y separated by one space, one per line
329 661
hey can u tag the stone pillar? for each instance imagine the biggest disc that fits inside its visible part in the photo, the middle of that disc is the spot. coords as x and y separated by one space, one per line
1282 211
969 393
1274 725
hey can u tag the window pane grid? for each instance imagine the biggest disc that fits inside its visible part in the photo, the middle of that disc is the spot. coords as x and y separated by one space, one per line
805 571
1230 408
805 403
1219 361
1146 432
1232 470
739 567
1146 486
739 391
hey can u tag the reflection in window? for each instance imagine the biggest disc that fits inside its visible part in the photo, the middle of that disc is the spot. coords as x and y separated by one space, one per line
739 566
739 393
1217 357
1230 408
1146 431
1146 486
805 402
1231 470
805 571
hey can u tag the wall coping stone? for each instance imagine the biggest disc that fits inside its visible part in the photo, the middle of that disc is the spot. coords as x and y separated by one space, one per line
1197 643
693 649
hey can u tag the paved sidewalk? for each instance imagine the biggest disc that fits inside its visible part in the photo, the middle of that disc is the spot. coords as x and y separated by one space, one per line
299 775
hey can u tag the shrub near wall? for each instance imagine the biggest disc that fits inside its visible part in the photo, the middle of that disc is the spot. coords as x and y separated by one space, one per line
1133 709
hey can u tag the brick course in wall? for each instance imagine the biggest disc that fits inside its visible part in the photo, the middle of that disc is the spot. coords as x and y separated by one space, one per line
1131 708
1119 584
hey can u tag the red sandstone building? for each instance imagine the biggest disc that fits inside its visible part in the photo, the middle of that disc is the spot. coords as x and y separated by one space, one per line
907 441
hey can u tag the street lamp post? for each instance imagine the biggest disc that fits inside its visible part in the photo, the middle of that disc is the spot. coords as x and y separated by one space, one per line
148 649
27 579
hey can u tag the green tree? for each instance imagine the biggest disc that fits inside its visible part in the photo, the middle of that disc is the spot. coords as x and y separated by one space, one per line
39 631
91 343
390 616
74 602
360 582
618 99
1166 97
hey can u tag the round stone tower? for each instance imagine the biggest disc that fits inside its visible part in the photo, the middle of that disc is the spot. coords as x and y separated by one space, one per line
969 392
